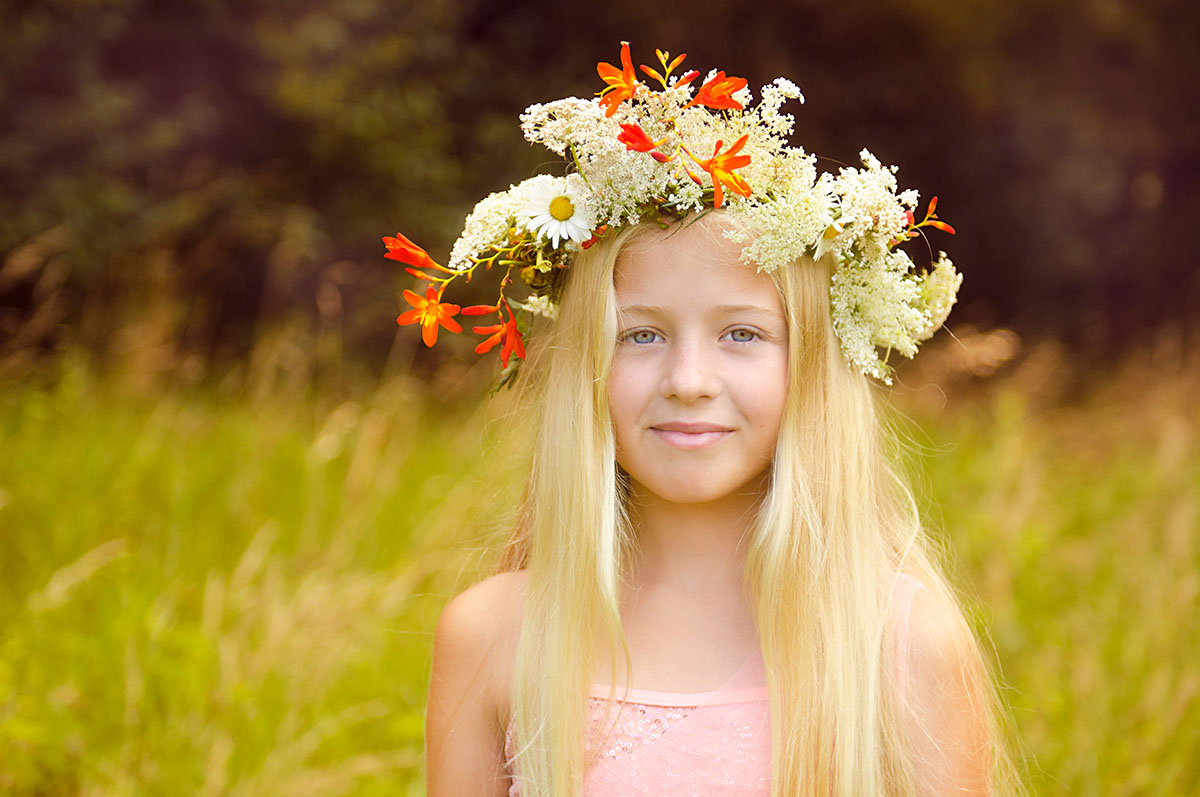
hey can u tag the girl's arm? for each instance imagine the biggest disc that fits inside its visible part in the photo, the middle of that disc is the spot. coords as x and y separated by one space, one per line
948 703
465 718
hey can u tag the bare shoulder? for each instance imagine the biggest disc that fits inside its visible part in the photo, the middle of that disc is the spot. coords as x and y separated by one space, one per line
946 697
473 653
938 634
484 610
478 629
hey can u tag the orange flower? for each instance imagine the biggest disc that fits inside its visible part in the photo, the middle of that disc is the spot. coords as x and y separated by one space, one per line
597 234
718 93
506 333
930 217
404 250
635 138
722 165
931 220
622 83
429 313
664 76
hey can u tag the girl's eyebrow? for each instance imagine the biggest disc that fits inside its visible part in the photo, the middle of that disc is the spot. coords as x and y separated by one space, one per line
716 310
645 309
733 309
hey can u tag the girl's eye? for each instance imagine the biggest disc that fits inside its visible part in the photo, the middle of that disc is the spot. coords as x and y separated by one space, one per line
641 336
742 335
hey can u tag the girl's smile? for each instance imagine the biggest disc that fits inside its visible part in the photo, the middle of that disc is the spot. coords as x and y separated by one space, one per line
691 435
699 373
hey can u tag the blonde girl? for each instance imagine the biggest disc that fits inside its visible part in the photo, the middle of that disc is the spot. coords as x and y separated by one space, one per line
718 584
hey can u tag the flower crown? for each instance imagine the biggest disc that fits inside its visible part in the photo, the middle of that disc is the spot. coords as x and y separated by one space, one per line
636 152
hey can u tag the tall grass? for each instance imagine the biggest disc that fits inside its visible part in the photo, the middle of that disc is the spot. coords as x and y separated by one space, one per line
208 593
1071 504
224 596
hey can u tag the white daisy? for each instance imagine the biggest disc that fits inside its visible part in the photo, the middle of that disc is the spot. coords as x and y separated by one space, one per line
558 208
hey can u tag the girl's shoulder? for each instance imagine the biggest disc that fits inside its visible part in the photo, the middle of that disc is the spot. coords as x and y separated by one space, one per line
932 625
467 711
932 637
944 690
496 595
477 636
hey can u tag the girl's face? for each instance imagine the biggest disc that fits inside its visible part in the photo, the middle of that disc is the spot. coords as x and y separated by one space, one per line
699 375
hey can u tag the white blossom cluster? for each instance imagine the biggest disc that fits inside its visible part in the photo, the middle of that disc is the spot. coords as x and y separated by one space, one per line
879 299
870 214
789 224
488 223
559 124
885 304
539 305
939 291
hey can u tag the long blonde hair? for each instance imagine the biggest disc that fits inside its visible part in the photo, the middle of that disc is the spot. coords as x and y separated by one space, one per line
835 525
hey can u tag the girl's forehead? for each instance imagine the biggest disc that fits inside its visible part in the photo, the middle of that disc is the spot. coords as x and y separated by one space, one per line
676 286
695 262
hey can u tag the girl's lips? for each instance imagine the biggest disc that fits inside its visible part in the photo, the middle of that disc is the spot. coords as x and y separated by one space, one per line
690 435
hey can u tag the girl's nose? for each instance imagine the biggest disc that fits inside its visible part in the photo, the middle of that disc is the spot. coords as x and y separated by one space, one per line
690 373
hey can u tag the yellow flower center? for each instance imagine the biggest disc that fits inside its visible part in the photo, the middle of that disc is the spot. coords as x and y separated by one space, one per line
561 208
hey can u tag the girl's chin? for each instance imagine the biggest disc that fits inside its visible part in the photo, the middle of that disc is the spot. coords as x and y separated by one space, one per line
695 492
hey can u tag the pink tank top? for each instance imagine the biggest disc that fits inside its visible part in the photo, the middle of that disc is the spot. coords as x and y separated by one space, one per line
709 743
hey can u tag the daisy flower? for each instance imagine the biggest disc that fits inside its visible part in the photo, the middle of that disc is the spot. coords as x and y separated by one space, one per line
557 208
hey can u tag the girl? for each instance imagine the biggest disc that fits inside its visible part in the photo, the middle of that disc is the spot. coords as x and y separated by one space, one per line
717 584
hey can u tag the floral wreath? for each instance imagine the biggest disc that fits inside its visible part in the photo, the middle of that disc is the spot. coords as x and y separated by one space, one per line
635 152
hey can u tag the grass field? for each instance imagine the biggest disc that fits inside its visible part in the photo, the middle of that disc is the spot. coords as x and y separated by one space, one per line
207 592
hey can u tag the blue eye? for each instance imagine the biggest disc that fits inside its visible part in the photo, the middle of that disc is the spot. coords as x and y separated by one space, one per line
742 335
641 336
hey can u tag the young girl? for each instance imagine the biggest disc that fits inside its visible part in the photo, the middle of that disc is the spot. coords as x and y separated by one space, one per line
717 584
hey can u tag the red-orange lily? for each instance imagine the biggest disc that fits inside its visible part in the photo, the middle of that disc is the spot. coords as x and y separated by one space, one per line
718 93
721 167
931 220
636 139
506 333
622 83
404 250
429 312
597 234
664 77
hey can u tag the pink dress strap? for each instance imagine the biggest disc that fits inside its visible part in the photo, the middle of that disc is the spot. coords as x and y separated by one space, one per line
748 683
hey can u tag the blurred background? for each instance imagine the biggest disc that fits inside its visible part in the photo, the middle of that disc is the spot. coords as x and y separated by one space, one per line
233 496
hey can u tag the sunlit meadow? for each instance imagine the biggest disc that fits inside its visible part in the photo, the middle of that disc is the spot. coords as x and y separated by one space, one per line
222 591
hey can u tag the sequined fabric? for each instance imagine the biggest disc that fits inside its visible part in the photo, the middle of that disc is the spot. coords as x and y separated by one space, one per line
675 750
661 743
722 749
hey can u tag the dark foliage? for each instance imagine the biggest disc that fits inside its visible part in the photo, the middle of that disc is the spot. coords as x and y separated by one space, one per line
191 178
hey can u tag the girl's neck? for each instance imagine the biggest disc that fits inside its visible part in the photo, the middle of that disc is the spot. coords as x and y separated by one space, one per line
693 542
